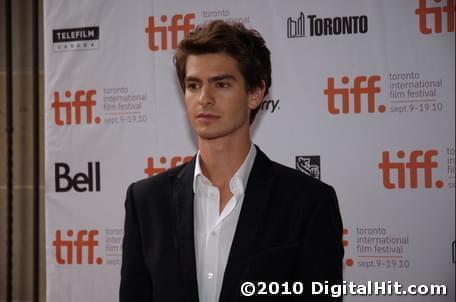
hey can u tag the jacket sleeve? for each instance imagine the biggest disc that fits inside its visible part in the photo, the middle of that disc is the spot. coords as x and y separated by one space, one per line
322 249
135 281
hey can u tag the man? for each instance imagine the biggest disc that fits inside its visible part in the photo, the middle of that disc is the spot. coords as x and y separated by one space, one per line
197 232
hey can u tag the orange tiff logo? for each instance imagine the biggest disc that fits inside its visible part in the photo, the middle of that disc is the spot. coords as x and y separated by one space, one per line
436 12
348 261
352 95
417 161
65 249
174 29
151 169
65 111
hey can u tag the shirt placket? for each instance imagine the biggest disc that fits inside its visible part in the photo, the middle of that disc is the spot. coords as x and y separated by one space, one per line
212 242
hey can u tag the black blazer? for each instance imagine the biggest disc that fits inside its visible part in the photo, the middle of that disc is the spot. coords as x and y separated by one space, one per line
289 229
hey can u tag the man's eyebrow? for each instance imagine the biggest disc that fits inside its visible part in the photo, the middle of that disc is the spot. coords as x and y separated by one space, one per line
222 77
211 79
192 79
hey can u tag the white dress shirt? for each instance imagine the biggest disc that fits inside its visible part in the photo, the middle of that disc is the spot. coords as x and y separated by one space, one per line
214 231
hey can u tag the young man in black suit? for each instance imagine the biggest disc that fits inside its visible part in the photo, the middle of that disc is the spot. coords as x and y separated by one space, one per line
231 215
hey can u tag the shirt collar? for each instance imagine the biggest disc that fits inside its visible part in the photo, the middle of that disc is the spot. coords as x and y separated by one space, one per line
238 182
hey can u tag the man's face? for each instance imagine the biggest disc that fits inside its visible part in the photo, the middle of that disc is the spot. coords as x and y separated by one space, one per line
216 97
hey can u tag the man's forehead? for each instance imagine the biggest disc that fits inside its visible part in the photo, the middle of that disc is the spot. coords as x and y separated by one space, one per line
211 60
212 66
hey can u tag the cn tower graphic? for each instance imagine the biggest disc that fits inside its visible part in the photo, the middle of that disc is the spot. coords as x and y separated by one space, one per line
295 29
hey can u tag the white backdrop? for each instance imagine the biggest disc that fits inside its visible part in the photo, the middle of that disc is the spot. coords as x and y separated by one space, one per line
363 97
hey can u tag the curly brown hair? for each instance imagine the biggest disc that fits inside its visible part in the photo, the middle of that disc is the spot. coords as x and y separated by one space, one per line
244 45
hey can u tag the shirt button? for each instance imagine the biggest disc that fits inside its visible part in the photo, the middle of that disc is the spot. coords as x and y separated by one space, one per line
210 275
213 233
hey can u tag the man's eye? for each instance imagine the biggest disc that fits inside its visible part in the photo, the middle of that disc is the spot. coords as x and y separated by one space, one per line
192 86
222 85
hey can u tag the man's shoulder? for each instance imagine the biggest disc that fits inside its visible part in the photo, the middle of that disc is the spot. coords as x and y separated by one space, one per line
159 181
296 190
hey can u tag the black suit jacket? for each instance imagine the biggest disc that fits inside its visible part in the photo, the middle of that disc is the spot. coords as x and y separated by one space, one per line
289 229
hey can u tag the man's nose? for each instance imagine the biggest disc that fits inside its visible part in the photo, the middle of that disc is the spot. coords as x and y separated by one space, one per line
206 96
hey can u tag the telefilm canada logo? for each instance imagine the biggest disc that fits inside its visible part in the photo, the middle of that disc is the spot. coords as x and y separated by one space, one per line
309 164
313 26
79 38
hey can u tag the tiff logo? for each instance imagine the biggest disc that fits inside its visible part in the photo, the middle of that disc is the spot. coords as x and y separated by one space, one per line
418 160
65 111
174 29
348 261
370 89
151 169
296 29
424 11
310 165
85 241
80 182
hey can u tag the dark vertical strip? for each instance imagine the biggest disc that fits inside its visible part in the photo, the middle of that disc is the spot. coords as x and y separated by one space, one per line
36 153
9 152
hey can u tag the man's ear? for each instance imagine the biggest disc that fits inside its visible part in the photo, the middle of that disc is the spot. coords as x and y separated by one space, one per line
256 95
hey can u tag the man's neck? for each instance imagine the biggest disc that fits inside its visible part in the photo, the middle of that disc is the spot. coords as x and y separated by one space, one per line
220 159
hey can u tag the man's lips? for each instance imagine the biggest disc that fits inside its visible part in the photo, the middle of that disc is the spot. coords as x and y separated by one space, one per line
207 117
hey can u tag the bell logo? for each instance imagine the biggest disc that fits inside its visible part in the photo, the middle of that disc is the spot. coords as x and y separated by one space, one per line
423 11
80 182
357 91
151 169
417 161
175 28
65 110
65 249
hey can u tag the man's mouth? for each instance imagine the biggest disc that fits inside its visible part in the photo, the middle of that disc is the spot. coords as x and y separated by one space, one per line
207 117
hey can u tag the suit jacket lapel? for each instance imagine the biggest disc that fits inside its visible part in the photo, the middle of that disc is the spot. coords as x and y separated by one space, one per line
256 198
183 203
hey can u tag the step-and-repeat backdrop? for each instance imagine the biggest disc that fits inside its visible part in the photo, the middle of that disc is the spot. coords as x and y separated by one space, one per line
363 98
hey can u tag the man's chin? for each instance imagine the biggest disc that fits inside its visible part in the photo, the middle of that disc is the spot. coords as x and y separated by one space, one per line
209 134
